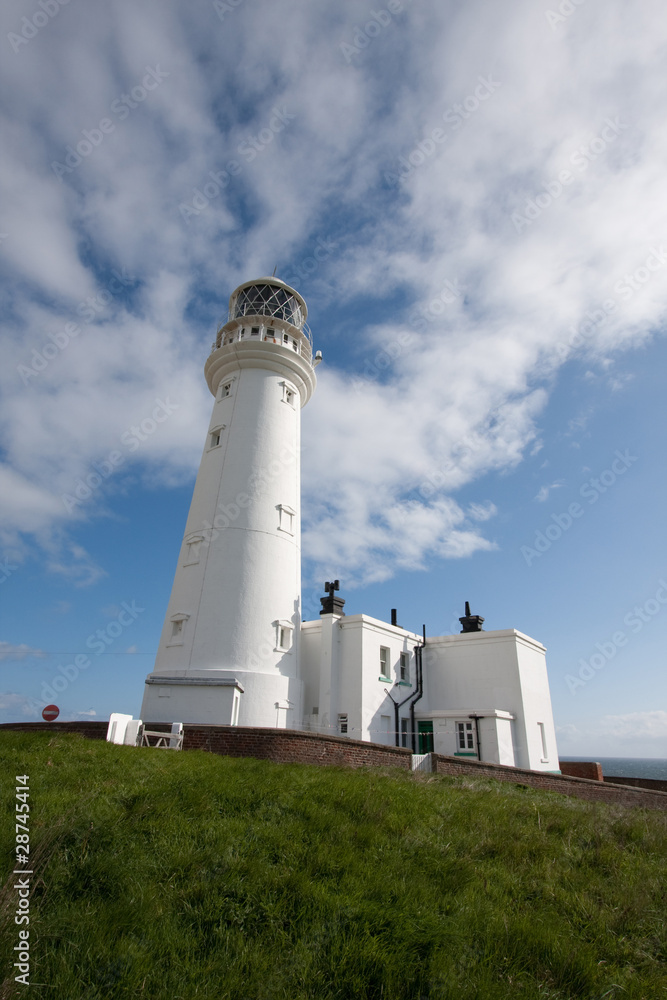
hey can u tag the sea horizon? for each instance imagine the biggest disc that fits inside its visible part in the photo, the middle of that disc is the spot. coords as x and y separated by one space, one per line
627 767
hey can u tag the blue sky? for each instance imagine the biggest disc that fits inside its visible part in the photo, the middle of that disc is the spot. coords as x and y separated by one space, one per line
471 200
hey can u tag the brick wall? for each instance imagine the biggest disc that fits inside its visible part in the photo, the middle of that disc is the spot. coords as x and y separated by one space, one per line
653 783
581 788
581 769
288 746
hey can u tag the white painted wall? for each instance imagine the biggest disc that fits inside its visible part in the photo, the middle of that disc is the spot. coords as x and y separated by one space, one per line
500 676
238 578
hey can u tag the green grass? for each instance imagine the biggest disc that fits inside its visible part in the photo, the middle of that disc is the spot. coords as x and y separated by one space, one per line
177 875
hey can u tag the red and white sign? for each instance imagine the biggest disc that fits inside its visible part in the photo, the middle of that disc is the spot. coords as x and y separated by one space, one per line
50 713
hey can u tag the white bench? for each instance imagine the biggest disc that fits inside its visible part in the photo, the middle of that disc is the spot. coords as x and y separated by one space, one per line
166 741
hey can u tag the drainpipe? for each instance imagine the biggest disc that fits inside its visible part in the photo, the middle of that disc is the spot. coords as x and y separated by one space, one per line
479 747
420 687
397 705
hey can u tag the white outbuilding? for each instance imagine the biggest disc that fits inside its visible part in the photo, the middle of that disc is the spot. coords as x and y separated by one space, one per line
234 650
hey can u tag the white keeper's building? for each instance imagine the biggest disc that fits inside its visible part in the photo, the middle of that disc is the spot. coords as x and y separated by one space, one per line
234 650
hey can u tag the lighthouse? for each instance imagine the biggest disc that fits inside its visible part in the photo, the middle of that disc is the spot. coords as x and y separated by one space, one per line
229 652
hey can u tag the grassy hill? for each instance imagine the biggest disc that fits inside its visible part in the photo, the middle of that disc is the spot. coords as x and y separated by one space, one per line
185 875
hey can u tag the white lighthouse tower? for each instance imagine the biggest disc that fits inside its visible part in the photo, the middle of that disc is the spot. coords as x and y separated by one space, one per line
230 647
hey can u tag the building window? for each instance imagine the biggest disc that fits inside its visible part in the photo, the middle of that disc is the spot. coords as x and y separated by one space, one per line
225 390
284 633
342 724
289 393
384 661
215 437
254 331
192 550
405 732
177 629
465 736
242 333
235 709
404 667
543 737
286 520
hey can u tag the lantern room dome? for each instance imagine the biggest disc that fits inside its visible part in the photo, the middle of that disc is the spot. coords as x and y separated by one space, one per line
268 297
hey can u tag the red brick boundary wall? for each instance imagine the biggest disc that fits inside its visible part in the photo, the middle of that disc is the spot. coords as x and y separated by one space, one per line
581 788
289 746
656 784
581 769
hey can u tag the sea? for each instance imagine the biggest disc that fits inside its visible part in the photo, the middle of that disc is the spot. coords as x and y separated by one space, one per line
630 767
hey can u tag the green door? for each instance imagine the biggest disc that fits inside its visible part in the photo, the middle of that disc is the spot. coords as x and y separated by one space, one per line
425 731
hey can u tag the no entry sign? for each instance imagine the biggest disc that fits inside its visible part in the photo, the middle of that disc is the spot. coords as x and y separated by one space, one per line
50 713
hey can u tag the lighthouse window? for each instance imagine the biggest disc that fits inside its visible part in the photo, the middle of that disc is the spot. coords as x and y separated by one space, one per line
216 436
342 725
177 628
193 546
284 632
289 393
287 516
225 390
254 332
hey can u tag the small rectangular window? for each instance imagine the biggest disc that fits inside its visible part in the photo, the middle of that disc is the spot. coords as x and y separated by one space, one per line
284 633
192 551
342 724
384 661
286 519
543 736
177 629
404 667
215 439
465 736
405 732
289 393
225 390
254 332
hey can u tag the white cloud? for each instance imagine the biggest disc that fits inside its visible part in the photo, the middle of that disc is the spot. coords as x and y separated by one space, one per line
465 397
9 651
544 491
